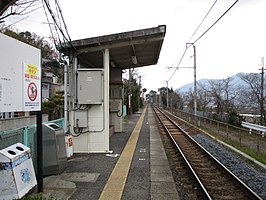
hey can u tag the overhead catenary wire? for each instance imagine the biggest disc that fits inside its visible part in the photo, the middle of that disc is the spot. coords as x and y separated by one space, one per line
216 21
183 55
203 20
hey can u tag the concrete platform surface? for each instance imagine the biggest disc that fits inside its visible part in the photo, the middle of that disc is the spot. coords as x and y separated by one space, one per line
147 177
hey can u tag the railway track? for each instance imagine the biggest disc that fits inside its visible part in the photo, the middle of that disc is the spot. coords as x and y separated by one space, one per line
201 175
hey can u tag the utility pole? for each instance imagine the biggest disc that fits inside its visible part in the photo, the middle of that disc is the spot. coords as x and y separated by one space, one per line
167 100
195 77
262 93
195 81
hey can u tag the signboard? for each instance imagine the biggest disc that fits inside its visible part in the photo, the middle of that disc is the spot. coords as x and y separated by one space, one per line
32 87
20 77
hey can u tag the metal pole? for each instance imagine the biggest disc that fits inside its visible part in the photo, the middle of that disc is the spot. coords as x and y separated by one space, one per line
65 98
262 95
195 82
129 96
39 142
195 77
106 63
39 152
167 100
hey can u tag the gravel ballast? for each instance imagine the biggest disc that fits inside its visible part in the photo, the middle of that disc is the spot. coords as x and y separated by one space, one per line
254 178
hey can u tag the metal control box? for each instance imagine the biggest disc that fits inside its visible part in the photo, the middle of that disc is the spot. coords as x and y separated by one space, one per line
90 86
54 149
81 119
115 106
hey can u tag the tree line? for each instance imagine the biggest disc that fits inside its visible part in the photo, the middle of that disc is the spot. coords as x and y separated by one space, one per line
223 99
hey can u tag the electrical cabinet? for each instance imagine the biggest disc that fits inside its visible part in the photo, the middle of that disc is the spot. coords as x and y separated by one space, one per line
90 86
116 92
81 119
114 106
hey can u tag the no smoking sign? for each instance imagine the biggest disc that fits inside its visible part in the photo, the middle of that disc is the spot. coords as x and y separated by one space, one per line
32 87
32 91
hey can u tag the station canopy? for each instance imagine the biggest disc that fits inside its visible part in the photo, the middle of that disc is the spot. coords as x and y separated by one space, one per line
127 49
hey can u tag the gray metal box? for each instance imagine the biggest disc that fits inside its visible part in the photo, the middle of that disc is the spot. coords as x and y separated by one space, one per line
81 119
90 86
54 149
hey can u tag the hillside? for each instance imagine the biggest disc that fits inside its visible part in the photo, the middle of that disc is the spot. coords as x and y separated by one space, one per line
236 81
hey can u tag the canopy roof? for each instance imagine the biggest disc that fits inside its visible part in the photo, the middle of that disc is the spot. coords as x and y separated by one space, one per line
127 50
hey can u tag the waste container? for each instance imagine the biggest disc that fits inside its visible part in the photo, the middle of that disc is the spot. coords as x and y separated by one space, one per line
54 149
17 175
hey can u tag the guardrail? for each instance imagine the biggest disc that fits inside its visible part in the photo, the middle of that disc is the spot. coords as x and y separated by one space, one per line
239 137
256 127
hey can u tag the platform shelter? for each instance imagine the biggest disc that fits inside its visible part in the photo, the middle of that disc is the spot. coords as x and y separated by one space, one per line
95 92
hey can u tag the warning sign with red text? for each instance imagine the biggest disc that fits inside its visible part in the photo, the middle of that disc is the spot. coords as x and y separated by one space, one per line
32 87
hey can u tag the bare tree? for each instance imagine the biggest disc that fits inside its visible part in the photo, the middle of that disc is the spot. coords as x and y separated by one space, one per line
220 93
203 99
17 7
251 94
4 4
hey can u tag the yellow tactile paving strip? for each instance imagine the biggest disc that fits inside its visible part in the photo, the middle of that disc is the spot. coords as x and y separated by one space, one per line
114 187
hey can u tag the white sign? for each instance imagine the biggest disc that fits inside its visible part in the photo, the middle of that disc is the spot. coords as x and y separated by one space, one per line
18 64
32 87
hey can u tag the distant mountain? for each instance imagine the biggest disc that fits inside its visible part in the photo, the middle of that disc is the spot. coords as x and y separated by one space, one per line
236 81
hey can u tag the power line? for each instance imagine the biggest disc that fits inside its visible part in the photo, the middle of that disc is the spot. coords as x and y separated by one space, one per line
215 22
178 63
55 20
203 20
60 10
59 23
183 55
17 22
201 34
50 27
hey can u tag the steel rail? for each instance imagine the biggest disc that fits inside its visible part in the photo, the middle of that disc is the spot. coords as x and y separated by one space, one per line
203 189
234 178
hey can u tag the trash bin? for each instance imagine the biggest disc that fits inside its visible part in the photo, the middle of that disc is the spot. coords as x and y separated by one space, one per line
54 149
17 175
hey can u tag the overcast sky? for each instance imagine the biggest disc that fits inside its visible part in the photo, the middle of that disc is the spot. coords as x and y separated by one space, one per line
235 44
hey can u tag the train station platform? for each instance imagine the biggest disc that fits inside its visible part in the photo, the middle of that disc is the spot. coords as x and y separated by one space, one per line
137 168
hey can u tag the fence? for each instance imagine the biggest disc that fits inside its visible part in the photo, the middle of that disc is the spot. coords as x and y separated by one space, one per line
26 135
251 143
